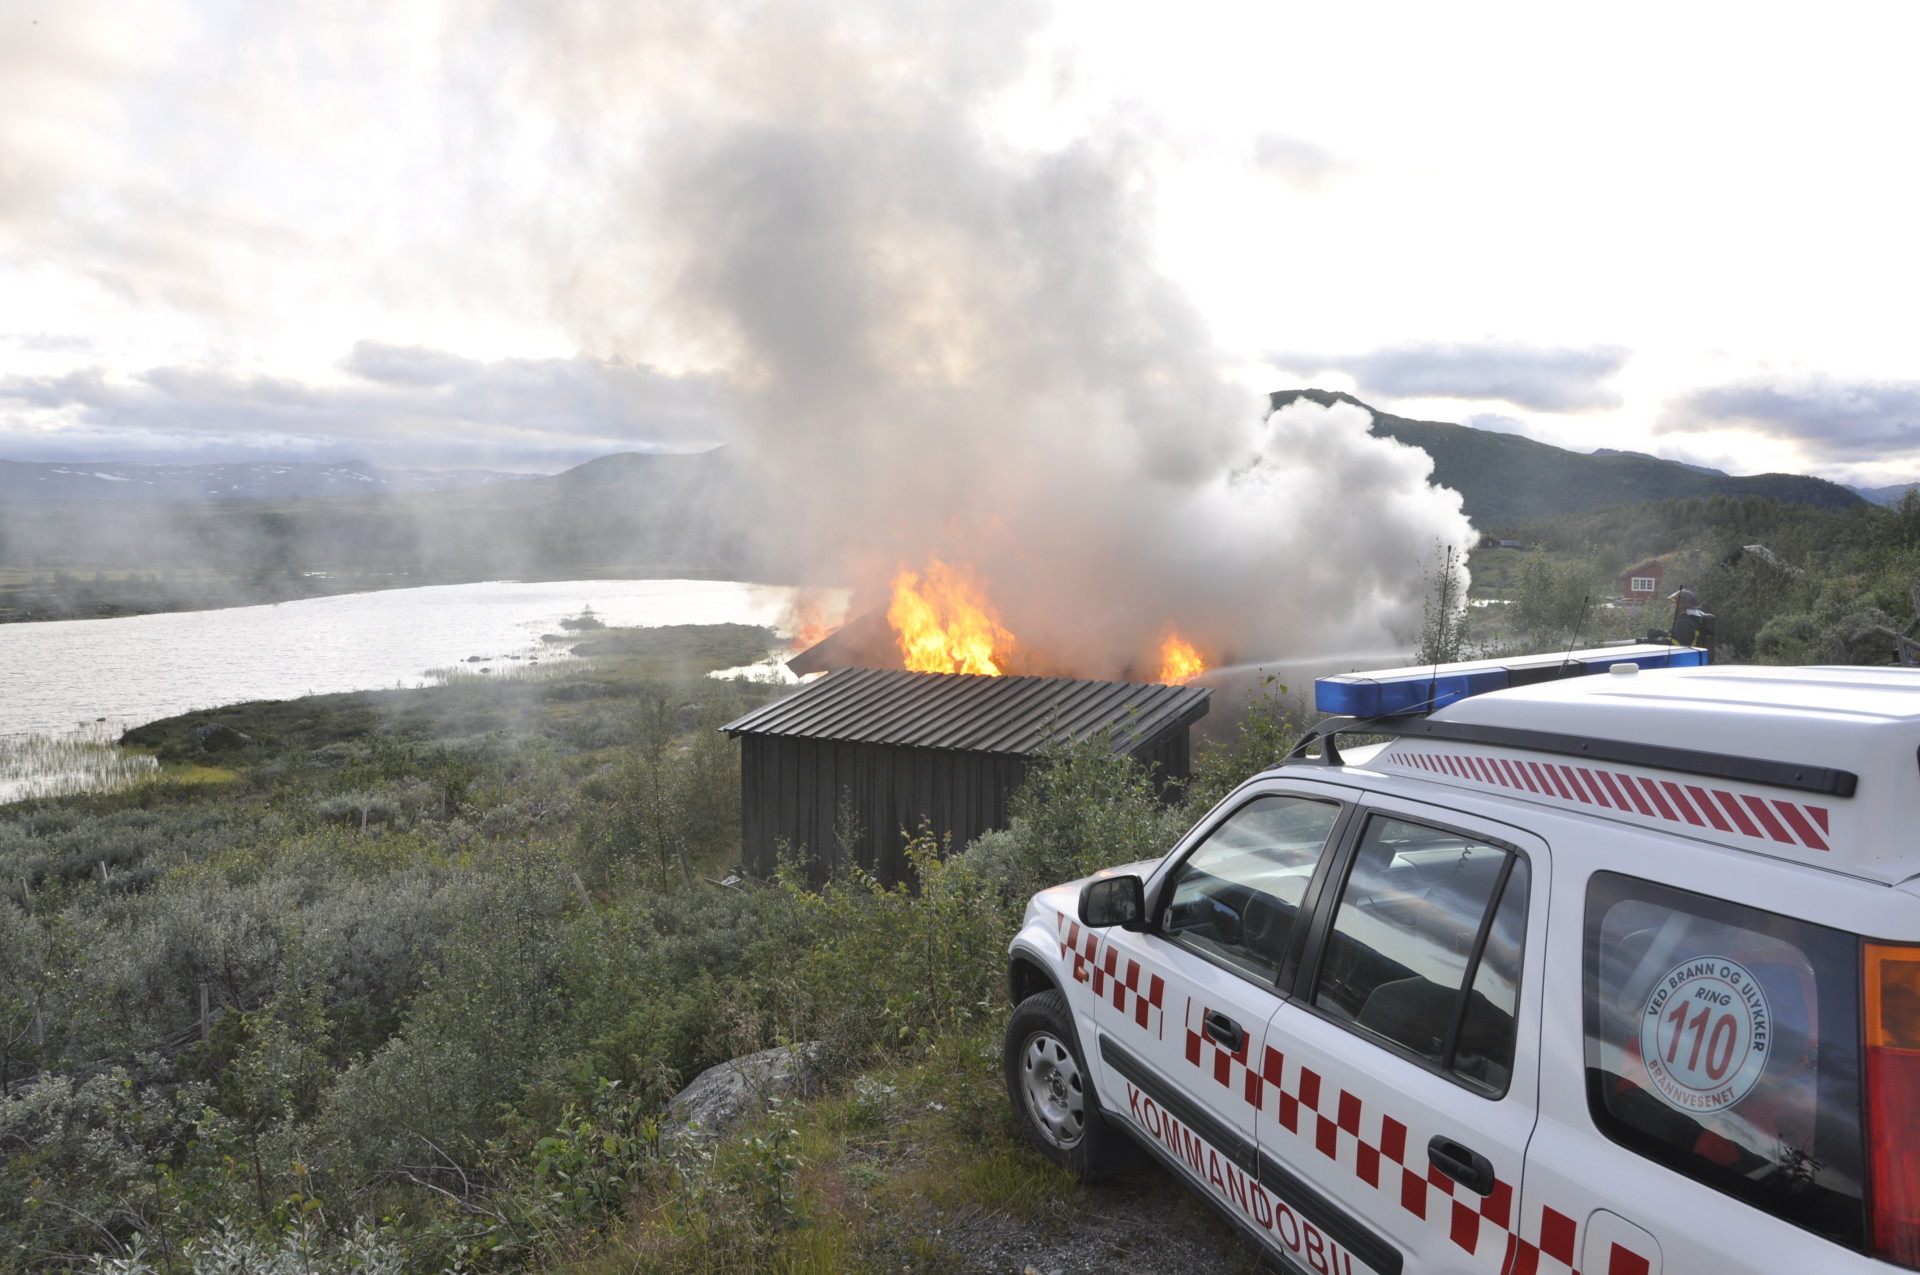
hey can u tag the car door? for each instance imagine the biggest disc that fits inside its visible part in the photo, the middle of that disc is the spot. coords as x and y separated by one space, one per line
1702 1105
1183 1005
1401 1075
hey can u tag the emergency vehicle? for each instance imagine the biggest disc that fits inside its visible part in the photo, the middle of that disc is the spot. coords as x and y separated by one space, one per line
1605 964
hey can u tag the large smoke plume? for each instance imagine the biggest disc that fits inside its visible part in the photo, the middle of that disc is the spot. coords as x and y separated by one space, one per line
831 227
950 345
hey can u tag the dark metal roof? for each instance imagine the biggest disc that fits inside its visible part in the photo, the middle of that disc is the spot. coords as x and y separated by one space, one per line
968 712
864 642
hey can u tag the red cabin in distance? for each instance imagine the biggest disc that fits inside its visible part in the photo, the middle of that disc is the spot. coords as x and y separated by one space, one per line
1644 582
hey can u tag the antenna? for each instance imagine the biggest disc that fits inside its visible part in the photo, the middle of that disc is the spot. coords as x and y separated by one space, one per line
1440 641
1586 603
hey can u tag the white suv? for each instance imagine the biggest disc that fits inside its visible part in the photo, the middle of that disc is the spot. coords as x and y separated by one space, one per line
1610 974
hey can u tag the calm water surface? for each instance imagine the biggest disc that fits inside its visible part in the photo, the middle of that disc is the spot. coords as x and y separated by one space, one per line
57 676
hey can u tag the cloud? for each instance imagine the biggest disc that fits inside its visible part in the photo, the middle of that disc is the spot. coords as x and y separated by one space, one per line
1298 164
396 405
68 70
1543 378
48 342
1831 420
411 365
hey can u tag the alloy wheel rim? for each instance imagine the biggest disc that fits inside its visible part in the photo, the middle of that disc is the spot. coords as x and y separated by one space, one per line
1055 1094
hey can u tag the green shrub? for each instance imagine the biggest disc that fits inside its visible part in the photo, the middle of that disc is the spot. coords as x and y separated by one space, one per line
895 966
78 1161
1082 808
298 1250
461 1015
486 1024
1265 734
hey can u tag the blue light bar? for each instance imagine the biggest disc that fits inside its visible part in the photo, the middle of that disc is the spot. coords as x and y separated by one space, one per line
1425 687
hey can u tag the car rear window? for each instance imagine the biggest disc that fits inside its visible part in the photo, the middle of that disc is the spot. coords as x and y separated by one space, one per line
1724 1042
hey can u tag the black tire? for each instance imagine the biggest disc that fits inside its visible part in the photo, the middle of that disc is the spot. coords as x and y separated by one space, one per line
1052 1091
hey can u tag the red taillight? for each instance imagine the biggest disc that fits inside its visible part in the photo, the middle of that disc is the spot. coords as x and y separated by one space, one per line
1892 978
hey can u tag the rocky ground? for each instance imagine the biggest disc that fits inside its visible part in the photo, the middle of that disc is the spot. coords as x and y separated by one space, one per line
1140 1223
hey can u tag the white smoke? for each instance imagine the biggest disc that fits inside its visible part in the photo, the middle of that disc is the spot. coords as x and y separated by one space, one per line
930 336
954 346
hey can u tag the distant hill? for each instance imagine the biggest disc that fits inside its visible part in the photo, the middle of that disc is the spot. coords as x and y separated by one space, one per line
623 514
1698 469
1885 495
1504 478
281 480
628 510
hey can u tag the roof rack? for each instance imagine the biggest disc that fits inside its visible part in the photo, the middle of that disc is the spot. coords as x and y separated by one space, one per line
1754 770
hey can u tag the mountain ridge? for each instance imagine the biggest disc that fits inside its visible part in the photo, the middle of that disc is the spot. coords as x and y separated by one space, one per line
1504 479
1889 495
242 480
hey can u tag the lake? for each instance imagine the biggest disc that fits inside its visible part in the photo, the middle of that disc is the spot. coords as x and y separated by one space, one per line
63 676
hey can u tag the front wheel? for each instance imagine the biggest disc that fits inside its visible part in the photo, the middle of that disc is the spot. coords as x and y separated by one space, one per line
1052 1091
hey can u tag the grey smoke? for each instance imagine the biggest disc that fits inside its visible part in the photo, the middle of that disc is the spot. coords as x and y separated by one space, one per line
787 224
949 346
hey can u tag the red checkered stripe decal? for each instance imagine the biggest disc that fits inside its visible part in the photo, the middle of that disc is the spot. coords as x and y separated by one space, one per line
1134 992
1334 1119
1762 818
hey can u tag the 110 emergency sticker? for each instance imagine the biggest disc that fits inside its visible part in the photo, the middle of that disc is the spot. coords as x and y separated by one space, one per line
1704 1035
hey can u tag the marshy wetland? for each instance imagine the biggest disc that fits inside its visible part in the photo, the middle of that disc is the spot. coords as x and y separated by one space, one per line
85 759
65 686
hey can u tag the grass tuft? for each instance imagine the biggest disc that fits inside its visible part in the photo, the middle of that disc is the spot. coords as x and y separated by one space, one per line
83 760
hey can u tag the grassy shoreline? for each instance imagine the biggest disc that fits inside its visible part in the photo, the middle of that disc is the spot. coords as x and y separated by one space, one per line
110 593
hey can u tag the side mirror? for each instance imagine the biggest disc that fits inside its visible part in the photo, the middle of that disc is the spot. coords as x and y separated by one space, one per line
1120 901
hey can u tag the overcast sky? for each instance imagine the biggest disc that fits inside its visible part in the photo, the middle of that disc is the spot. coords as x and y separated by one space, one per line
422 233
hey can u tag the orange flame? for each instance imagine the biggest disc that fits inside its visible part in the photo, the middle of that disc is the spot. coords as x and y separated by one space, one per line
1180 663
946 625
809 620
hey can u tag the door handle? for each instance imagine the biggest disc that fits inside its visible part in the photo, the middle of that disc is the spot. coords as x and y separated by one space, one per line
1223 1031
1467 1167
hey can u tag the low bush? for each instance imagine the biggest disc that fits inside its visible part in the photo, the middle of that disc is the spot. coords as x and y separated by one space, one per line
450 975
1083 807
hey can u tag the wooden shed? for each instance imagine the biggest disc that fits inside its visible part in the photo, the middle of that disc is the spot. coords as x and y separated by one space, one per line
862 756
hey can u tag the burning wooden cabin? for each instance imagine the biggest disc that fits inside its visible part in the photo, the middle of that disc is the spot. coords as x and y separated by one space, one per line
864 642
848 764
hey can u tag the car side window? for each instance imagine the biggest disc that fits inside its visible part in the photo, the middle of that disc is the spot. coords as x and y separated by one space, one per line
1724 1042
1425 949
1236 898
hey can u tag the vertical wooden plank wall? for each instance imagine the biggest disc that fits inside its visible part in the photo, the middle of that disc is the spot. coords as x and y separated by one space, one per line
791 789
